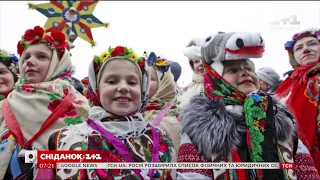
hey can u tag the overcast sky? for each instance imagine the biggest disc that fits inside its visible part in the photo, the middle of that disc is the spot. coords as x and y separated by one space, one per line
166 27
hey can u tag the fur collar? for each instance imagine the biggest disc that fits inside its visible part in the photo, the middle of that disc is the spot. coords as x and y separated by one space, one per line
215 128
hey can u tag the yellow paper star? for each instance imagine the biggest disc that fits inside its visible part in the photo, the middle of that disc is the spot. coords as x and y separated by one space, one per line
73 18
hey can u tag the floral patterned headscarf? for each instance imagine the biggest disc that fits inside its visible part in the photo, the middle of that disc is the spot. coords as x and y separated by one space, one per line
33 103
166 92
119 52
258 107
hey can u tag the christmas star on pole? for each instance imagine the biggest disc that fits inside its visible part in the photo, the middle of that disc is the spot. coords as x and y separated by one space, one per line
73 18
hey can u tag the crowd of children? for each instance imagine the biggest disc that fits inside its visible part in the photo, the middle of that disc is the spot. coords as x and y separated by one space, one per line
131 107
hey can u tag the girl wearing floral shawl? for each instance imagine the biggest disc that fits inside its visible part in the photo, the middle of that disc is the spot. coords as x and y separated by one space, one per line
235 121
301 89
119 81
43 100
8 73
160 108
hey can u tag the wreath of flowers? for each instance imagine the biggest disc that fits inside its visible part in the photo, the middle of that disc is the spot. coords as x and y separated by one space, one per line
55 40
160 63
289 44
7 57
119 51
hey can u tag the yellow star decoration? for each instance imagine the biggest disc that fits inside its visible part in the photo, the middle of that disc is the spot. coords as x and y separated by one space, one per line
73 18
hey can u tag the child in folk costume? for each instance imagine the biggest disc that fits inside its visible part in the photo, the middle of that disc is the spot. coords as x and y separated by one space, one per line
43 100
235 121
160 108
193 53
120 83
300 91
8 73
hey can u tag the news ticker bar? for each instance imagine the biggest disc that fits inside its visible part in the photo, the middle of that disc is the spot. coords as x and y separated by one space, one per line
175 165
66 159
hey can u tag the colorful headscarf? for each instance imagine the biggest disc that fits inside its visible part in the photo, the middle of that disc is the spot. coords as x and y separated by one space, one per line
132 129
99 62
41 99
11 62
166 86
258 106
163 99
133 124
33 104
260 125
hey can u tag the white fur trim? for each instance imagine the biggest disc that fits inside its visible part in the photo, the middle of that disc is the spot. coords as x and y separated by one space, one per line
249 39
218 67
193 52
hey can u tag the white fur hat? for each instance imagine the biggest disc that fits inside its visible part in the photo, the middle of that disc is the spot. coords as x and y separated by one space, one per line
193 49
193 53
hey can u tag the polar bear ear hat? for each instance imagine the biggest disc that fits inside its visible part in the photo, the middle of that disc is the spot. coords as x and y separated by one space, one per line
193 50
231 46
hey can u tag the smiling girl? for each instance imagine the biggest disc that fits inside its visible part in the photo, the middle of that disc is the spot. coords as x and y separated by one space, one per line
235 121
43 100
119 84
